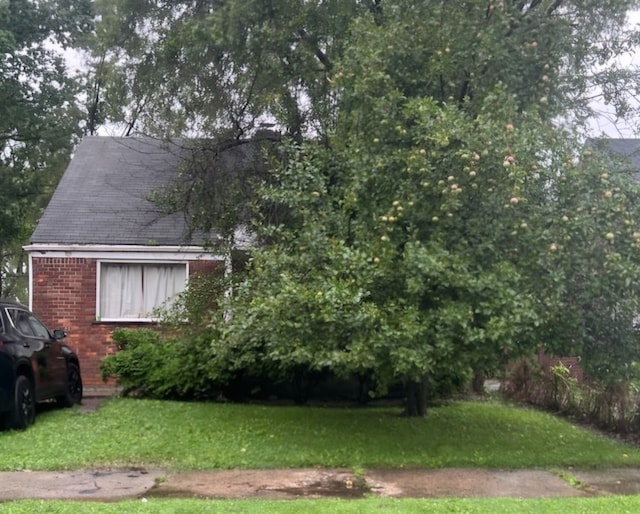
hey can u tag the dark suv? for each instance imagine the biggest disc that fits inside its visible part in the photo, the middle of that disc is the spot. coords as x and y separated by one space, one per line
35 365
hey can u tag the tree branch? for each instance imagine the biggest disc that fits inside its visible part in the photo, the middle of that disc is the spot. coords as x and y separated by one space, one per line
320 55
555 6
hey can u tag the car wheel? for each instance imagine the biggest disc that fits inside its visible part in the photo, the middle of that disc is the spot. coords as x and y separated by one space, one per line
73 392
24 409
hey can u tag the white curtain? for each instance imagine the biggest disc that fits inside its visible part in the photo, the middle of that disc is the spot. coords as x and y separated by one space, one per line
120 291
162 284
135 290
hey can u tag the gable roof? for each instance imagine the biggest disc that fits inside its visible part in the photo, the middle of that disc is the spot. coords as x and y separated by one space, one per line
104 196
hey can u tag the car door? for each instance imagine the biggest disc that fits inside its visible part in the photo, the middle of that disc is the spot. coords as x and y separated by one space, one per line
47 359
6 374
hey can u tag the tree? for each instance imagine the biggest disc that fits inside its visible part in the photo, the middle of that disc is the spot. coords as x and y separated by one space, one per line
439 235
431 260
440 221
38 115
214 67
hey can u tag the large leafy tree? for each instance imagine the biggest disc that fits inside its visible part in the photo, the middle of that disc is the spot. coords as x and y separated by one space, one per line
217 66
37 115
439 221
448 225
227 67
439 246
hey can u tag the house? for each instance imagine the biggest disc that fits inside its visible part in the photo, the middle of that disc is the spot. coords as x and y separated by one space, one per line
625 149
105 254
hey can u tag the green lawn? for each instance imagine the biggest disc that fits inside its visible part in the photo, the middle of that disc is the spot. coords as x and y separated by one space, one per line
183 436
617 505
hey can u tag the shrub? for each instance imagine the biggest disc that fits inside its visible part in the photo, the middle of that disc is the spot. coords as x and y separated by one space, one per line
152 366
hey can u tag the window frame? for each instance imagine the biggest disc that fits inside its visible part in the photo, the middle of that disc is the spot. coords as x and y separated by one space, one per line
132 262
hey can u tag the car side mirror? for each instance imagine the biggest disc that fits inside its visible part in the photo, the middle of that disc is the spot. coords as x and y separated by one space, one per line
59 334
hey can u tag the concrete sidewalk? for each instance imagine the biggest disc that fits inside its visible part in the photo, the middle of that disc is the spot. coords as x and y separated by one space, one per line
76 485
313 483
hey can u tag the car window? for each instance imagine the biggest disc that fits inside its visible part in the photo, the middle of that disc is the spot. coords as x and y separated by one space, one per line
1 324
21 322
38 328
27 324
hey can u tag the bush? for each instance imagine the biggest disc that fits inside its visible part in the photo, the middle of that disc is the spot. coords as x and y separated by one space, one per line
152 366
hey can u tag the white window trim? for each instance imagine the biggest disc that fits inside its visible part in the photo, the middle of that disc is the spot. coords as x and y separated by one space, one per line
120 252
126 253
99 318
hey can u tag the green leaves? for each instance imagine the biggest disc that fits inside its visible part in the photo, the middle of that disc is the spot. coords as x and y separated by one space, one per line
436 220
39 117
159 367
446 243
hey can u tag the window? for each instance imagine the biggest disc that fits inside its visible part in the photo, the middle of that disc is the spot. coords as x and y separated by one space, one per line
134 291
27 324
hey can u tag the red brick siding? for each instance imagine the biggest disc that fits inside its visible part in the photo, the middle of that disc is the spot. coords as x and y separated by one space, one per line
64 296
201 266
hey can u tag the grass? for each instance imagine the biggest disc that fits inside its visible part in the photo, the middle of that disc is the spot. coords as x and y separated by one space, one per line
197 436
617 504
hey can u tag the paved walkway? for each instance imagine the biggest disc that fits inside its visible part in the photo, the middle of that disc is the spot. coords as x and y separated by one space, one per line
313 483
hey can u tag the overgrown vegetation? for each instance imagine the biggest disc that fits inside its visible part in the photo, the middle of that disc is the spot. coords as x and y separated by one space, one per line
613 406
439 222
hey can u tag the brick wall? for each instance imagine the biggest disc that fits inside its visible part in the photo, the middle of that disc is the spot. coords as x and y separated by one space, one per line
64 296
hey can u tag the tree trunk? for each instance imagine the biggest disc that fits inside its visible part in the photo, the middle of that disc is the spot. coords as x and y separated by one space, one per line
477 385
416 398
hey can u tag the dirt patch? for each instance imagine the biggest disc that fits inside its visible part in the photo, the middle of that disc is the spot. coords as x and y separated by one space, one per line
267 484
91 404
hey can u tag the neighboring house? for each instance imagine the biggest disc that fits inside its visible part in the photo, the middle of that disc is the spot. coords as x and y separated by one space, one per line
104 255
626 148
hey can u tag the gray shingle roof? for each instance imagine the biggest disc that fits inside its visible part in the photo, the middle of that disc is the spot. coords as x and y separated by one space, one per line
104 195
